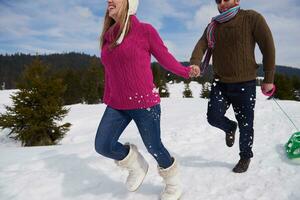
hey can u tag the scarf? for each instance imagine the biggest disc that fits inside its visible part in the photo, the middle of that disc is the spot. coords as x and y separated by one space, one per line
223 17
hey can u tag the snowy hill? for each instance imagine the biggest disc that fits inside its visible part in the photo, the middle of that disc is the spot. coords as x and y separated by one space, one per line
74 171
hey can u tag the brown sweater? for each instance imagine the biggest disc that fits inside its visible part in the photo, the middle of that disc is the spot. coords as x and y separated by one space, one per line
233 55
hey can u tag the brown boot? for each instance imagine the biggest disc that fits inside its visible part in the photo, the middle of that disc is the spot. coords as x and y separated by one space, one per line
241 166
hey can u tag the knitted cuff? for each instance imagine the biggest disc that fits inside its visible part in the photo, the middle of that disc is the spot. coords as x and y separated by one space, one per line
269 76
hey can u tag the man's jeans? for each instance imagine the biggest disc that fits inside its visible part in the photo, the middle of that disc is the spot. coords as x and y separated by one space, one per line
242 98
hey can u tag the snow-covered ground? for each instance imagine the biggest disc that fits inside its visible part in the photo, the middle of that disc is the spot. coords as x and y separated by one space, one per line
74 171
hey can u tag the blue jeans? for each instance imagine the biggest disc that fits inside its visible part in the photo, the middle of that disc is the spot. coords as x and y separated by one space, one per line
242 98
115 121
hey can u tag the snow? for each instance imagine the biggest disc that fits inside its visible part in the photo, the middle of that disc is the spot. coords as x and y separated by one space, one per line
73 170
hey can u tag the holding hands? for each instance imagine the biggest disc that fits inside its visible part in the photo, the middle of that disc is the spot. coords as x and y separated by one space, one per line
195 71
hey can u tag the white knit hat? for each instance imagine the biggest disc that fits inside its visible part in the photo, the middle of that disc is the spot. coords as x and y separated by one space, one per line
132 8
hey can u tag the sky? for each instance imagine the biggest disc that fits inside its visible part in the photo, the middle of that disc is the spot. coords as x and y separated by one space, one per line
44 27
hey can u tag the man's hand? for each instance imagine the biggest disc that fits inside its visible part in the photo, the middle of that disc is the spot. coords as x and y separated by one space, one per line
267 87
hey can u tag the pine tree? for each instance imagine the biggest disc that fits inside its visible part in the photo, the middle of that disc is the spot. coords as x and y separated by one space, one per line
37 108
160 80
187 93
205 90
2 86
72 79
163 90
92 83
284 87
296 86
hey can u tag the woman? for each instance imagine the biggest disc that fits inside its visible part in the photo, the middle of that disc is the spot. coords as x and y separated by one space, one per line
126 48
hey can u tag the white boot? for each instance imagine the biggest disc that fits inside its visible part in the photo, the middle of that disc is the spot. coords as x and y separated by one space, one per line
173 190
137 167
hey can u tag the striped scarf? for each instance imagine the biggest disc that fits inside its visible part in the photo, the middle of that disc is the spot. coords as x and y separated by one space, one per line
223 17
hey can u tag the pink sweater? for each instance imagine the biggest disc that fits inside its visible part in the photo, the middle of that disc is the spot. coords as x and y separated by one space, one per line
128 76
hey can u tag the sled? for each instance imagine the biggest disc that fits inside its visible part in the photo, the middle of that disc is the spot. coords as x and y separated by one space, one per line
292 147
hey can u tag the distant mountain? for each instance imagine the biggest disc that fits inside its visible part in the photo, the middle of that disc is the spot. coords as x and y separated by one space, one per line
288 71
284 70
12 66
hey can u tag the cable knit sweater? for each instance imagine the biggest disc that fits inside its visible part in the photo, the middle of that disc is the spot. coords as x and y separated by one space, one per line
128 75
233 56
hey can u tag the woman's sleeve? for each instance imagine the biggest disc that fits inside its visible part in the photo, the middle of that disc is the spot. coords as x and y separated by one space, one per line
162 55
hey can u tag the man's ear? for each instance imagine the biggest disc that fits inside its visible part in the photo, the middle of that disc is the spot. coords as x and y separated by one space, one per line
237 2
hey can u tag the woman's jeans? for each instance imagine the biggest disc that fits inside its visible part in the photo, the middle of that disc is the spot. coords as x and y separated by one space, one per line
115 121
242 98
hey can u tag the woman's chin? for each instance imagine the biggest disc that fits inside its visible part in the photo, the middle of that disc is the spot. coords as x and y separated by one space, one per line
112 15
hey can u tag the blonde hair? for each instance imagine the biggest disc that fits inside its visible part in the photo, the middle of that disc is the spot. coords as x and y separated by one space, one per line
109 22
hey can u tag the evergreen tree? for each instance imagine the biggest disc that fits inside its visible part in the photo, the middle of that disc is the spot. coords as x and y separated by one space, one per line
296 84
72 79
187 93
284 88
205 90
2 86
259 81
160 80
163 90
93 84
158 75
37 108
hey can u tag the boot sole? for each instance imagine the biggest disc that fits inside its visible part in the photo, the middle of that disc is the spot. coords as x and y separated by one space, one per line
141 181
239 172
179 198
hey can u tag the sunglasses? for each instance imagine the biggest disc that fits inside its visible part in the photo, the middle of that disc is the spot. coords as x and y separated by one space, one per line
220 1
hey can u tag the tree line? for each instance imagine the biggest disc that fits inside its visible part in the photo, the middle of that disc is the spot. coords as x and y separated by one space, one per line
83 76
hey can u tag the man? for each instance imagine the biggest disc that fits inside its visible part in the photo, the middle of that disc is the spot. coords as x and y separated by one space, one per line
230 38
